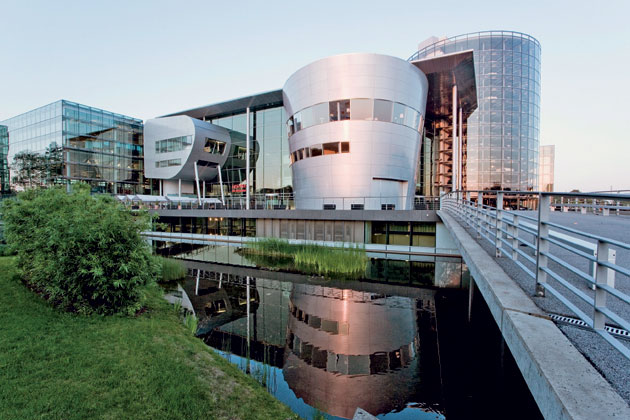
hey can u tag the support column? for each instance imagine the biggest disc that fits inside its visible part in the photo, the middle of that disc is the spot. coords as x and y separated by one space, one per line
197 183
221 186
542 245
460 153
179 188
455 151
499 226
247 151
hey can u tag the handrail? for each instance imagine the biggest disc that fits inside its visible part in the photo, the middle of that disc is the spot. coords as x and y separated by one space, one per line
506 231
278 201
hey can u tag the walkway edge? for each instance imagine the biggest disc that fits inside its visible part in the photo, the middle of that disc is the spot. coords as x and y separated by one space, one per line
563 383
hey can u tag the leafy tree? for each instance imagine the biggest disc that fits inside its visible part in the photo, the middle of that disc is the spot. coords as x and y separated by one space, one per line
84 253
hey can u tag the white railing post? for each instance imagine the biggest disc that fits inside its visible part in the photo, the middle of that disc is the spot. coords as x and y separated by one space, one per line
514 234
601 277
468 213
479 213
498 226
542 245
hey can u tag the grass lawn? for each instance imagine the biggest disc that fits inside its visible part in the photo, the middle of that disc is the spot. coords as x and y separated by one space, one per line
56 365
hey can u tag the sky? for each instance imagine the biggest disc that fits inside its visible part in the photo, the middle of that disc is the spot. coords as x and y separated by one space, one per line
150 58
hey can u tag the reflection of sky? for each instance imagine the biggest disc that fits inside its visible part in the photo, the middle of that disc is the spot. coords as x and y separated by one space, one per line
280 389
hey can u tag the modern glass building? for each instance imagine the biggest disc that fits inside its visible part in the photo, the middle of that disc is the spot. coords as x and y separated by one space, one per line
546 174
65 142
4 168
501 150
269 169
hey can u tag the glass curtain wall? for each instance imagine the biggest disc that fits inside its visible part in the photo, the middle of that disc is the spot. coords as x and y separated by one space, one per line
4 167
503 133
65 142
270 153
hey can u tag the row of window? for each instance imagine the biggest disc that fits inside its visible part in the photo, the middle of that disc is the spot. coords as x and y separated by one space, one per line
167 163
174 144
320 149
215 147
355 109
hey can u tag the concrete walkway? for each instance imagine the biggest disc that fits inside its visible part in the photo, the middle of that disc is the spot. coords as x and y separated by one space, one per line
564 384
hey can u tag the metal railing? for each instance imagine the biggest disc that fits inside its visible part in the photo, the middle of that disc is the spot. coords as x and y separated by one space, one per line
278 201
577 267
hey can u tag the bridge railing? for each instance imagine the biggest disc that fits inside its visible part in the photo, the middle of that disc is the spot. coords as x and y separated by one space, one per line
279 201
576 266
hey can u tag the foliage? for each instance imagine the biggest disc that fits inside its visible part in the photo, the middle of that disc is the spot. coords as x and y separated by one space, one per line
313 259
5 250
84 253
171 269
191 322
145 367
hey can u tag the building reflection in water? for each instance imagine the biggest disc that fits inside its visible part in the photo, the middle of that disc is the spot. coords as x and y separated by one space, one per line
336 349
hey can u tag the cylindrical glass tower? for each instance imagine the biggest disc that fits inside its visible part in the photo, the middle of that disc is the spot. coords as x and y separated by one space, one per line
501 151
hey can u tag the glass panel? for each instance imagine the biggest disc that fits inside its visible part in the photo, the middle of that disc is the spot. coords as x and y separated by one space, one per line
316 150
361 109
307 118
331 148
345 147
382 110
320 113
399 113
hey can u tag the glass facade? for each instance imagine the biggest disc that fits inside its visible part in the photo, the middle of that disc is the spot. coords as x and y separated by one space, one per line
66 142
355 109
270 152
503 133
547 159
4 167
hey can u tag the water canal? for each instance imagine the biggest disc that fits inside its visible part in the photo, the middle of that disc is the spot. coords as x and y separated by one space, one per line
394 348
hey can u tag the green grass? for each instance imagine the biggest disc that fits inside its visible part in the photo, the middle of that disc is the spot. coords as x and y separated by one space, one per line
57 365
311 259
171 269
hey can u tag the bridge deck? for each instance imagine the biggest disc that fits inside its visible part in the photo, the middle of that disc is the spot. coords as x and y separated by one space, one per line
562 381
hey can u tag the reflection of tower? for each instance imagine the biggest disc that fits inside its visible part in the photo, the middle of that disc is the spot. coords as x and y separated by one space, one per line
349 349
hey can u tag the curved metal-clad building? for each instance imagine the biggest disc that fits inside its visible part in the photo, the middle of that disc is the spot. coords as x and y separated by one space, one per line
354 131
503 133
174 144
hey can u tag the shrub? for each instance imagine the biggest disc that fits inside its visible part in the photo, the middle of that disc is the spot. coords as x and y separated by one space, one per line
84 253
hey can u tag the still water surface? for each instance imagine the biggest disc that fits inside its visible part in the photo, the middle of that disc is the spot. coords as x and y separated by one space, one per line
330 347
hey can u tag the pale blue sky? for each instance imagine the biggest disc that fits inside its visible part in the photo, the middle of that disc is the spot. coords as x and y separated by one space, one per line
148 58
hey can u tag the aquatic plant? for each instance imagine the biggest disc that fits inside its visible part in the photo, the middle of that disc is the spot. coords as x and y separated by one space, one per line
170 269
191 322
310 258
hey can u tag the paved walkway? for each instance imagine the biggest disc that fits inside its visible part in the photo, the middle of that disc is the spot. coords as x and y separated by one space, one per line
613 366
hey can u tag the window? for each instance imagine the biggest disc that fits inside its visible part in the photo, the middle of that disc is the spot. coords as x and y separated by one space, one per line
215 147
345 147
174 144
362 109
320 113
399 113
331 148
316 150
382 110
167 163
290 128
